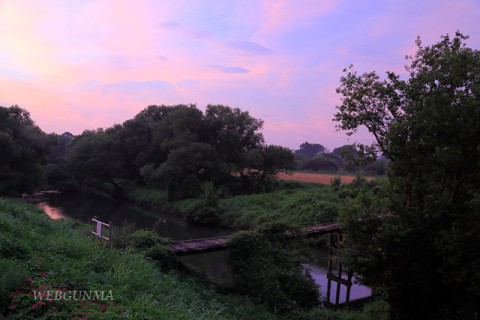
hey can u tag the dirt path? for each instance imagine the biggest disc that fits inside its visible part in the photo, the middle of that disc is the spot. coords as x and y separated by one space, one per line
316 177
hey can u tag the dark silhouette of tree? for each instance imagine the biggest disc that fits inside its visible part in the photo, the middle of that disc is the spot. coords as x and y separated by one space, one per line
24 148
311 149
418 238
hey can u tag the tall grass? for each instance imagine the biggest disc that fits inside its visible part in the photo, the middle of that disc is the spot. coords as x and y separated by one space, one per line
298 204
62 254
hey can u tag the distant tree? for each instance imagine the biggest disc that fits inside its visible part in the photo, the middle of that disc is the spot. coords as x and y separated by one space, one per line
419 236
262 165
24 148
319 163
310 149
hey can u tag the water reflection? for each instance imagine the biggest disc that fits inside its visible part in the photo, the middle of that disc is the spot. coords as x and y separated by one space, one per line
53 212
213 265
319 271
84 207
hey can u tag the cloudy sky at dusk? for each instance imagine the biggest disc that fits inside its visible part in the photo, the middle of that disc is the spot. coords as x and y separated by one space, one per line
85 64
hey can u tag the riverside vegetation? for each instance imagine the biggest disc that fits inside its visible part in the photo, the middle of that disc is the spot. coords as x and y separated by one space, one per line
418 241
146 280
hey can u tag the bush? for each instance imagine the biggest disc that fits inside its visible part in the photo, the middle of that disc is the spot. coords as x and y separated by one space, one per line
205 211
266 270
336 183
144 239
120 234
164 258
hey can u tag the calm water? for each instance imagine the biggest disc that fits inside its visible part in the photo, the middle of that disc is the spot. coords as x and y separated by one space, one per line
84 207
213 264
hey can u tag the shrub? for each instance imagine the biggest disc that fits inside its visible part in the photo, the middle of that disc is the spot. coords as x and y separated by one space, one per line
144 239
205 211
268 272
121 234
164 258
336 183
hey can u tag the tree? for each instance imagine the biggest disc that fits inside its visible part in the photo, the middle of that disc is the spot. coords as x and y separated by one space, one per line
186 169
233 133
324 162
419 236
262 165
24 149
95 157
311 150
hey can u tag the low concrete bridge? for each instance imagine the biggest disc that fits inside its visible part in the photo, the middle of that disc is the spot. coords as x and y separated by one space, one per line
195 246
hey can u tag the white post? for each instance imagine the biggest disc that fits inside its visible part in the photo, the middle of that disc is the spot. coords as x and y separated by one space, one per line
99 229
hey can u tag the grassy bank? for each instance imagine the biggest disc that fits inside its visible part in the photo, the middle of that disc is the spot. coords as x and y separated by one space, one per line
295 203
298 204
37 253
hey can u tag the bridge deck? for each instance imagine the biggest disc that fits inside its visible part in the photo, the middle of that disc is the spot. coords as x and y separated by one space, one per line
194 246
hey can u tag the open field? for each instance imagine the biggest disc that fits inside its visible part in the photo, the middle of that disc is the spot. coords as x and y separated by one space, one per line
321 178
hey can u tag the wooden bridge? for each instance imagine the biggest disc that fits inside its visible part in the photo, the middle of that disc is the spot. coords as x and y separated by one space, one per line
195 246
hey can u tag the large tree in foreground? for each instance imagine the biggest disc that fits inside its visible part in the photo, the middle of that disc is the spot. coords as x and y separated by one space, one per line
420 241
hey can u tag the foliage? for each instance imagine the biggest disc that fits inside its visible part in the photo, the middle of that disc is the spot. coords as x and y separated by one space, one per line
263 164
176 148
24 150
344 159
65 257
144 239
205 211
320 163
265 267
377 310
121 234
310 150
291 203
420 235
336 183
12 276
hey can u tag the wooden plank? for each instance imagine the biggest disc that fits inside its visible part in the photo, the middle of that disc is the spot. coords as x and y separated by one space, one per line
193 246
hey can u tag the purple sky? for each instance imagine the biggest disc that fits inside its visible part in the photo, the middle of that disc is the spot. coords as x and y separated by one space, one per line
81 64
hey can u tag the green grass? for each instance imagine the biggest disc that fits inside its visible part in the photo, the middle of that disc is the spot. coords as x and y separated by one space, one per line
62 254
298 204
38 253
295 203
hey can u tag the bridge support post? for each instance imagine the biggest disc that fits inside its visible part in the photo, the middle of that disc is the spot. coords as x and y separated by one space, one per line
349 286
339 285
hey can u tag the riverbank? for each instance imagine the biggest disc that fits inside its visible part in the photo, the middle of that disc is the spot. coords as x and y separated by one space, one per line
40 254
295 203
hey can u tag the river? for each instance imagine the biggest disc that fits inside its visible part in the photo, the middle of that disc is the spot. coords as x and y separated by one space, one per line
214 265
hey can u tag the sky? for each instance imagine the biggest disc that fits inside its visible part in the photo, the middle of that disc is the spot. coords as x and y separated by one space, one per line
86 64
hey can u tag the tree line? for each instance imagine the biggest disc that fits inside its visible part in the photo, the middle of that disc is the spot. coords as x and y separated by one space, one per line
345 159
177 148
